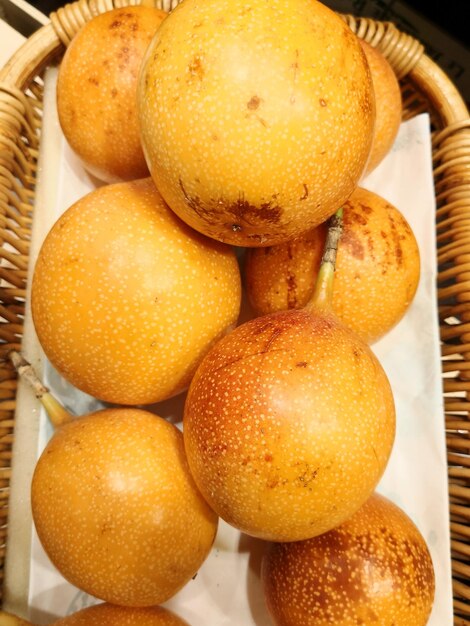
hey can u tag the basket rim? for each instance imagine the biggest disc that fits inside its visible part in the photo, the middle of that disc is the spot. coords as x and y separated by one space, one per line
46 44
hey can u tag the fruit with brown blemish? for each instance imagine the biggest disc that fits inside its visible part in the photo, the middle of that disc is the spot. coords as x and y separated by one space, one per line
289 421
96 91
388 104
286 88
107 615
126 298
377 268
114 504
375 569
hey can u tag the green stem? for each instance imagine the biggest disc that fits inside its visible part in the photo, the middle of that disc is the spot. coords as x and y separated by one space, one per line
323 293
56 412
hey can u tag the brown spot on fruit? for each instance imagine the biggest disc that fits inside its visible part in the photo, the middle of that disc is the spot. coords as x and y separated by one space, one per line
351 241
196 68
261 147
253 103
377 270
323 102
367 210
245 211
336 577
249 394
301 364
105 56
352 216
291 291
273 482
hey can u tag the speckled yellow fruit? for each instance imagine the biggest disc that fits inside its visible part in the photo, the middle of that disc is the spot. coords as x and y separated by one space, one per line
126 299
256 117
375 570
96 91
377 268
108 615
288 425
388 105
116 509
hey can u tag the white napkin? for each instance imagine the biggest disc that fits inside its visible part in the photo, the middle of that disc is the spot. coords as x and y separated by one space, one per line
226 590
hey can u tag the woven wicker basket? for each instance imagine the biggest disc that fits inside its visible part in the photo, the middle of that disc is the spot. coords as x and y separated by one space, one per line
424 87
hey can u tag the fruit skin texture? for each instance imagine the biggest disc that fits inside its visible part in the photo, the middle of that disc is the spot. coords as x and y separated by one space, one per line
388 105
256 118
377 268
288 425
126 299
116 509
96 91
109 615
375 569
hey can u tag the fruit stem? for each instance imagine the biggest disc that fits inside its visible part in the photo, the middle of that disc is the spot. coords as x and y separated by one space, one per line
56 412
7 619
323 293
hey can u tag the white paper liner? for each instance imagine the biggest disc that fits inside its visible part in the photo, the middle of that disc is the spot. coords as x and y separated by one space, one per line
226 590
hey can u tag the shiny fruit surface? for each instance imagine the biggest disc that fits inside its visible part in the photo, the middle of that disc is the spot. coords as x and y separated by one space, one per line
126 299
109 615
388 105
256 118
374 569
96 91
288 425
116 509
377 268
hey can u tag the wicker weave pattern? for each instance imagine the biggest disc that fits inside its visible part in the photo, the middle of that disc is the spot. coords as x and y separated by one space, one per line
424 87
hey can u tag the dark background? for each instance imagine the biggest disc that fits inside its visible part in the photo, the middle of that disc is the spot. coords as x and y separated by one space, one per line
448 14
440 25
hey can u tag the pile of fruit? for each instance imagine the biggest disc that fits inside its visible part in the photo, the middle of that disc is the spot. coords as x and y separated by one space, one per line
230 141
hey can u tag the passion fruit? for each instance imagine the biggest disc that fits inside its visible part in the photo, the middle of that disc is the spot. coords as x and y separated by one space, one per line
289 420
377 268
256 118
375 568
96 91
288 425
116 508
388 104
126 299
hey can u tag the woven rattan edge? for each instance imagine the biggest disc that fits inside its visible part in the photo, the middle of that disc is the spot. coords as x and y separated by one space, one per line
45 46
40 49
409 60
431 80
